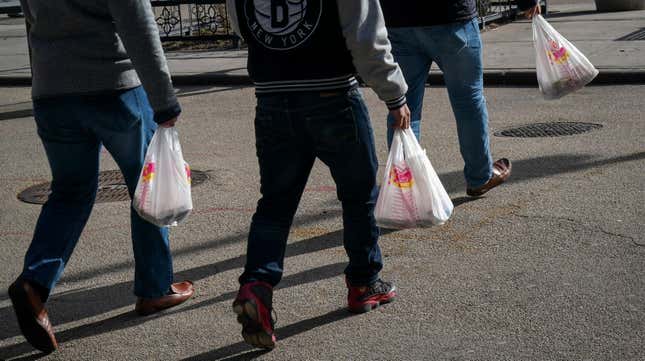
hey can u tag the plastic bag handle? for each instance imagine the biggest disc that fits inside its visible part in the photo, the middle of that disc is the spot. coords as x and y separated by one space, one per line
410 143
175 145
538 25
399 134
172 136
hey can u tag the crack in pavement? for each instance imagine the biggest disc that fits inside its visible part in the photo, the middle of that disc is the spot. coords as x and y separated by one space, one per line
594 228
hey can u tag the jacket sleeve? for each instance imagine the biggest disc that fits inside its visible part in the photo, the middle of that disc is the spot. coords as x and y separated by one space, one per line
526 4
136 26
366 37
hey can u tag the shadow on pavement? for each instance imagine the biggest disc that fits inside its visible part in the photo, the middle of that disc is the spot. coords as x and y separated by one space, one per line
523 170
15 114
542 167
241 351
16 110
463 200
77 305
131 319
126 292
64 308
210 245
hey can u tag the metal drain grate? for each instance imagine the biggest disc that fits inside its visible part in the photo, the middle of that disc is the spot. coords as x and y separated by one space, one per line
112 188
553 129
636 35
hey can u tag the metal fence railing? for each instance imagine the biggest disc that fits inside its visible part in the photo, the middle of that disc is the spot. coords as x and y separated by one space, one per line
496 10
203 20
193 20
207 19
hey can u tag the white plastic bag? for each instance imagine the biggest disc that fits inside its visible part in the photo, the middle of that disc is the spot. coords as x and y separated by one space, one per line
411 194
163 193
561 68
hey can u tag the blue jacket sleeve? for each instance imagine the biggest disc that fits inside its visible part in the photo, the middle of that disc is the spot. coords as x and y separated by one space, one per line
526 4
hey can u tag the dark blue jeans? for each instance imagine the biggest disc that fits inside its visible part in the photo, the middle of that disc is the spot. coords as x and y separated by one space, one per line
291 131
72 129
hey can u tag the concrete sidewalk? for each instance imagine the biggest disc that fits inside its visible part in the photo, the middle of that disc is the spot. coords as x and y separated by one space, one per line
509 57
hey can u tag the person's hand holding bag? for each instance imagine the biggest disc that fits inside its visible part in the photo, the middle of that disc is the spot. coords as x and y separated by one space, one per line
163 194
411 194
170 123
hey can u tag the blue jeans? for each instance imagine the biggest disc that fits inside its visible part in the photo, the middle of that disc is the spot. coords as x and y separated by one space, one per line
72 129
291 131
456 48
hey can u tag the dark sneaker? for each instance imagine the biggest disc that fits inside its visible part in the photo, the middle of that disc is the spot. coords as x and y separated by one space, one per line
366 298
32 316
253 306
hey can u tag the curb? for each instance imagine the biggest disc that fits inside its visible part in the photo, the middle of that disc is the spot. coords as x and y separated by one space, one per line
528 77
519 77
523 77
15 81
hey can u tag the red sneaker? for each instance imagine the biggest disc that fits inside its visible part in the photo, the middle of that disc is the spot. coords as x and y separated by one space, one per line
366 298
253 306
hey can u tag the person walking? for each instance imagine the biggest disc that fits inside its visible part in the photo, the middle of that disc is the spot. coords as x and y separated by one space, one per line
303 56
89 59
447 32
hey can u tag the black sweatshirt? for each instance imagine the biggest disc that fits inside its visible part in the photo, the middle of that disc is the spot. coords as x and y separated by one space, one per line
318 45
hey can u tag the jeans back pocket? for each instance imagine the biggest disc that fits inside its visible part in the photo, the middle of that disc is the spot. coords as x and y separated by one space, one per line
273 130
333 130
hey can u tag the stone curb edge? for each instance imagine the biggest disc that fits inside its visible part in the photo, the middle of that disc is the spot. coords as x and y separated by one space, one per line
491 77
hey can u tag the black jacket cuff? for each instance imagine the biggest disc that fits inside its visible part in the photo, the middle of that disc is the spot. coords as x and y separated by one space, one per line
396 103
167 114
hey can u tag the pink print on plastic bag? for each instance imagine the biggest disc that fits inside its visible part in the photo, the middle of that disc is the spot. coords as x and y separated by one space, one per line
147 175
401 177
403 206
188 173
557 53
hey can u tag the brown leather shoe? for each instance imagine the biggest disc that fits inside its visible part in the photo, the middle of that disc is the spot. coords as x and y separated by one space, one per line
180 292
32 316
501 172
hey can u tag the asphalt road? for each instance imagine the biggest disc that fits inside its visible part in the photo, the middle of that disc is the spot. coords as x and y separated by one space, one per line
548 267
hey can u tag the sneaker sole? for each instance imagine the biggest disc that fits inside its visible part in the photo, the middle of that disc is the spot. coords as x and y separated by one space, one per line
31 329
372 306
252 330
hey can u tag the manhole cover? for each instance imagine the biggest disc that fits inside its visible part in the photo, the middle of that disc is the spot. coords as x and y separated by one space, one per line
636 35
112 188
553 129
